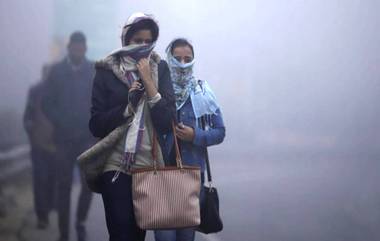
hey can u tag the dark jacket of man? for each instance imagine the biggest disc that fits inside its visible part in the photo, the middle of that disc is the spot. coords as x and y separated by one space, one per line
67 104
36 124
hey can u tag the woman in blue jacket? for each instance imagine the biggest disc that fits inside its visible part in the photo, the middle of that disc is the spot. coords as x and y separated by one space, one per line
200 122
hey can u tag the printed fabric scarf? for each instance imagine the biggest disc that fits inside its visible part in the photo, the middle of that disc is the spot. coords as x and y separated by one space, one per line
185 85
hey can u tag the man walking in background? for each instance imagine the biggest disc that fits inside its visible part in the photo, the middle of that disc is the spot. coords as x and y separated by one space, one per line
67 105
42 151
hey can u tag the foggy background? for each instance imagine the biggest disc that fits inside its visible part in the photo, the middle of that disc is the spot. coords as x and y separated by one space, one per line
298 84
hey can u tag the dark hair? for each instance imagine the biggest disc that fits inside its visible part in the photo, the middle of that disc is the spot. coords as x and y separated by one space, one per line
181 42
145 24
77 37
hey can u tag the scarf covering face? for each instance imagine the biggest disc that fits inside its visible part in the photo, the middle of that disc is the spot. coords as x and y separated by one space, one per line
123 60
185 85
123 64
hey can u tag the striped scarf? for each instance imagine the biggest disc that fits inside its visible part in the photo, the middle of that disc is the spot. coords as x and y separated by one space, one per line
123 64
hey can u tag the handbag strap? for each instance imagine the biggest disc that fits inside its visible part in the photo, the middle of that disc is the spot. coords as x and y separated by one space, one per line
209 177
155 149
178 158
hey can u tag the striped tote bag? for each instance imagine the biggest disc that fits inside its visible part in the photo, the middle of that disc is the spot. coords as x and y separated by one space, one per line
166 197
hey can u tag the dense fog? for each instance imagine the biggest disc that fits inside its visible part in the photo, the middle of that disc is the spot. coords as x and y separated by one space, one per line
298 84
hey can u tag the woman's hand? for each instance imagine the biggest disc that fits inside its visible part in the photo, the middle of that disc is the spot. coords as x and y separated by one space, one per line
135 86
185 133
144 70
146 76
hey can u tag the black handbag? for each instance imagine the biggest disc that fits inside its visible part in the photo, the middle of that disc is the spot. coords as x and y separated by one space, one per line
210 217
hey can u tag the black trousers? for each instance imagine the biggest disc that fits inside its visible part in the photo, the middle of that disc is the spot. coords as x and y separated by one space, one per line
44 180
118 206
67 154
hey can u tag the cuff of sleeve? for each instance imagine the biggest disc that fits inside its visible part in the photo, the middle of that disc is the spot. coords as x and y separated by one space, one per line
152 101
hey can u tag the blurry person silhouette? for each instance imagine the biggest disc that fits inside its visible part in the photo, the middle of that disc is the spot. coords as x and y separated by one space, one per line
39 130
67 105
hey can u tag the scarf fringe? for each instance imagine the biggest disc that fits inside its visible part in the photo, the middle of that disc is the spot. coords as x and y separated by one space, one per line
126 163
205 120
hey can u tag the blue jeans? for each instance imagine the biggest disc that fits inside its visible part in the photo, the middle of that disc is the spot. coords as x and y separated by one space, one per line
183 234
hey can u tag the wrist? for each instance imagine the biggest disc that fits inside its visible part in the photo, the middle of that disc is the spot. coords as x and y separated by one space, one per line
147 79
153 100
151 90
